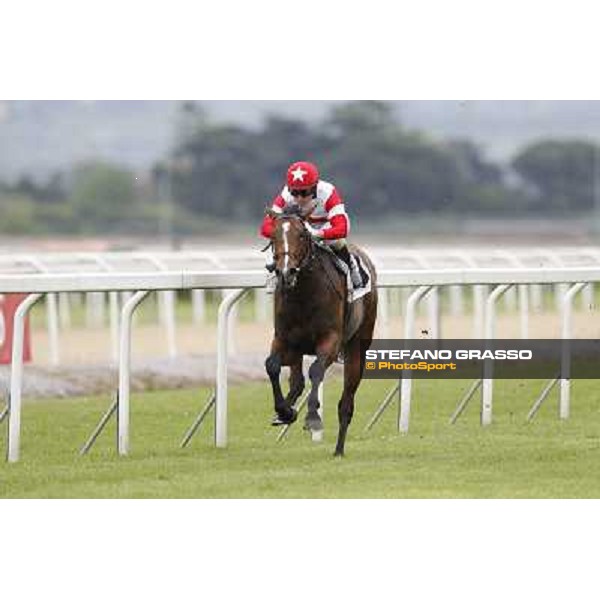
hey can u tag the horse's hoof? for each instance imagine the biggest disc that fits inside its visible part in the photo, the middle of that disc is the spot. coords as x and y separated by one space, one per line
338 453
286 419
313 424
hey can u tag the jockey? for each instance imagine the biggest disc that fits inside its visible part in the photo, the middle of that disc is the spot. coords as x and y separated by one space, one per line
327 221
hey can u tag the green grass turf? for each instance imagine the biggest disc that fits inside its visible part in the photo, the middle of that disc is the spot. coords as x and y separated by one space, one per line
509 459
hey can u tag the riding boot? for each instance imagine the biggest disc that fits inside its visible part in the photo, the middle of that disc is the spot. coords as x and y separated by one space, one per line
355 275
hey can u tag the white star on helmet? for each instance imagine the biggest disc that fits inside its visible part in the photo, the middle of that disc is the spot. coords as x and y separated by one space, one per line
299 174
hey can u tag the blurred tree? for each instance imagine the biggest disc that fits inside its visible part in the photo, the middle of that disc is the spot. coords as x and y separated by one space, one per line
17 214
55 189
216 172
472 165
25 186
281 142
561 173
382 168
102 196
370 117
50 191
191 120
222 173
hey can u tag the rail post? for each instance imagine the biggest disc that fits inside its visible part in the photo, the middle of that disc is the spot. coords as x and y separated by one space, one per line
125 371
406 384
223 322
16 378
488 382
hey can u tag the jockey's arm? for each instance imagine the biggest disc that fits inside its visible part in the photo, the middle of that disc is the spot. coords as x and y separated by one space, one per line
338 223
268 223
338 228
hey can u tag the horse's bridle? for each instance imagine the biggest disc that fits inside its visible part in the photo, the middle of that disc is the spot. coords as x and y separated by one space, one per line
308 257
309 254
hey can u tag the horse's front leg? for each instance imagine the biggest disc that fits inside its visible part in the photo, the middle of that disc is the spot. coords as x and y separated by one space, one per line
327 350
284 413
296 380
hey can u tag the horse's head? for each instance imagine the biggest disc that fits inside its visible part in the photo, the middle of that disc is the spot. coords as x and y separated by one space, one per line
292 245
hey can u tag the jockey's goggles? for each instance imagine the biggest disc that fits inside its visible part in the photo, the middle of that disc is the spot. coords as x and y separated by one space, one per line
303 193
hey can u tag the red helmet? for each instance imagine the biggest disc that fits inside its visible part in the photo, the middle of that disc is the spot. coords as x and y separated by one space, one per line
302 175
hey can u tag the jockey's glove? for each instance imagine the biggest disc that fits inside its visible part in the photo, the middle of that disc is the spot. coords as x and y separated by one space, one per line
316 233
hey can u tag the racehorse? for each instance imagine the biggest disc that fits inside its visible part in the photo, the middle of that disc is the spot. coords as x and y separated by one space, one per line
313 317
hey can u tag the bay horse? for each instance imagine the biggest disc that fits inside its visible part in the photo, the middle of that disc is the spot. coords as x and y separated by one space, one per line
312 317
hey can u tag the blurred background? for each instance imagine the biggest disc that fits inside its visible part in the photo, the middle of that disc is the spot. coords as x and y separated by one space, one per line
118 173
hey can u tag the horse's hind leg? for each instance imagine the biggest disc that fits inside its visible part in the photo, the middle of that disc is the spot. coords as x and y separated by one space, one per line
352 377
353 372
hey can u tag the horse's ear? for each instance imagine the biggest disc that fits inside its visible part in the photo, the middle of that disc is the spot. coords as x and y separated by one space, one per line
269 211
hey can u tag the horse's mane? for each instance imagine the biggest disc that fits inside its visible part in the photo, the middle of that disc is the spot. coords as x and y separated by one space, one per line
291 210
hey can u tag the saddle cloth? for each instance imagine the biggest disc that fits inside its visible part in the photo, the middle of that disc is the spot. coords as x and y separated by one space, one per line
353 294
